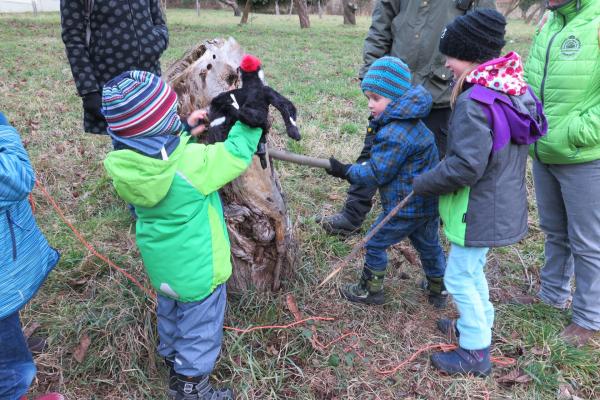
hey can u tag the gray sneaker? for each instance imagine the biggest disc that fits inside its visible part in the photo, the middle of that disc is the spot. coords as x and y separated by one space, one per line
338 224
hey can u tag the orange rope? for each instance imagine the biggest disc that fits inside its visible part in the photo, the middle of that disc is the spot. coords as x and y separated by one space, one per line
137 283
255 328
89 246
502 361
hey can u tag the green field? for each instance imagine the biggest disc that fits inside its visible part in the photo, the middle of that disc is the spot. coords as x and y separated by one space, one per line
317 69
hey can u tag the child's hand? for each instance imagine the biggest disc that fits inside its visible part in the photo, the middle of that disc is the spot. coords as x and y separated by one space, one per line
198 122
338 169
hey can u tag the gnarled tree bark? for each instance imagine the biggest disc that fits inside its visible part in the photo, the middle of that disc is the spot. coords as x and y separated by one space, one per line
262 243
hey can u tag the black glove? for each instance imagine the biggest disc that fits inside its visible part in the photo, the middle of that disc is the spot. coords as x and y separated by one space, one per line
338 169
92 104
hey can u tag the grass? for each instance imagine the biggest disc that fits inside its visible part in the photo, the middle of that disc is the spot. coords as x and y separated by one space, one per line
317 69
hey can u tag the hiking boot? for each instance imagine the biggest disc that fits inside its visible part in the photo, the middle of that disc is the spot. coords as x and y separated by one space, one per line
576 335
448 328
437 295
461 361
198 388
172 390
338 224
368 290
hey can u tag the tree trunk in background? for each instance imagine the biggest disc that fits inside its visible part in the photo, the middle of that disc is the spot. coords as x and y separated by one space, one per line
276 7
303 14
291 7
198 8
350 13
511 7
320 9
247 8
262 245
233 4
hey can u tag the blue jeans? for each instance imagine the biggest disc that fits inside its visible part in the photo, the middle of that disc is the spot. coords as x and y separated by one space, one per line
424 236
17 369
467 284
191 333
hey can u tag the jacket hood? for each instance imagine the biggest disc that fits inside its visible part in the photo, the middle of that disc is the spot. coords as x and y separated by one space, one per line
141 180
414 103
509 120
503 74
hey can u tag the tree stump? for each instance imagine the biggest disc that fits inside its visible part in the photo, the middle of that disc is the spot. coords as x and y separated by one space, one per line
262 244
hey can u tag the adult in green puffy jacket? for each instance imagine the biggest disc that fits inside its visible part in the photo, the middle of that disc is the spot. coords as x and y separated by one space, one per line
563 69
409 30
180 231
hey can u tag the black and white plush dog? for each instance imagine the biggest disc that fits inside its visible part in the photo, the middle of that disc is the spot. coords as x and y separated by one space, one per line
228 107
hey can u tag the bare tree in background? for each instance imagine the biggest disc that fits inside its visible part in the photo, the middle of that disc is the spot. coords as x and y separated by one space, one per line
303 14
247 8
234 5
262 245
349 12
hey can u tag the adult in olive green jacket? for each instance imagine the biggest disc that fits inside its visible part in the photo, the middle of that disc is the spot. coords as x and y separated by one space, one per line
564 70
409 30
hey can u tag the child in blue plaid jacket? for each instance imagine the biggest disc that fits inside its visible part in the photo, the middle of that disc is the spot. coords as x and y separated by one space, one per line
403 148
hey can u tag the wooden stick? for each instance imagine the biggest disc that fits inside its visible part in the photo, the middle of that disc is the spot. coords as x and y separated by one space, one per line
363 242
299 158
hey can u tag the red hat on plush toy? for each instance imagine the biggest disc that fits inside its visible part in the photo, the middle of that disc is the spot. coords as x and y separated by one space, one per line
250 63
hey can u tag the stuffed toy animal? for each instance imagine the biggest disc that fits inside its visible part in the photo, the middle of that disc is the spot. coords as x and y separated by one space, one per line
228 107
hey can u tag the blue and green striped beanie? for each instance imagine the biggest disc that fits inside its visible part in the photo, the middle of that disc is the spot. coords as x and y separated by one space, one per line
388 77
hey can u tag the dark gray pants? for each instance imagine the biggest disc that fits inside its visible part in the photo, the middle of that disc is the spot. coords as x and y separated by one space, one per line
568 199
191 333
360 198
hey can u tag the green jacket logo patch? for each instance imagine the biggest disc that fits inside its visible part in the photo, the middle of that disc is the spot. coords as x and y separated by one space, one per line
570 47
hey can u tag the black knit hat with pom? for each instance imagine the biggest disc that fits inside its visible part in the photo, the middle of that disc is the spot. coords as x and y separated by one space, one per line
477 36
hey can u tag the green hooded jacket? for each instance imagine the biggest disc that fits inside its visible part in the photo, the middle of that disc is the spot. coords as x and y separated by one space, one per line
411 30
180 229
563 68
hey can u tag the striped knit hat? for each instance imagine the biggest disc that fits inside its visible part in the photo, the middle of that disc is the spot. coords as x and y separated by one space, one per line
388 77
138 104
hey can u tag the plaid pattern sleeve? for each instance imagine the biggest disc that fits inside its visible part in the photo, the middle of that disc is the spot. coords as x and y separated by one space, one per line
388 156
402 151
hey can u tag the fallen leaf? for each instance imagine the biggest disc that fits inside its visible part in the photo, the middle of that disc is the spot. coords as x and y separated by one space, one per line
515 376
410 255
563 392
81 350
30 329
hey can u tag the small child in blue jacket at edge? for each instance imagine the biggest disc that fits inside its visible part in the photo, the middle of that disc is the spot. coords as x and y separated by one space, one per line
26 259
481 182
403 148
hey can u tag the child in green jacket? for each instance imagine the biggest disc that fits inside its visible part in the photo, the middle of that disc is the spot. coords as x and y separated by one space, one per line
180 230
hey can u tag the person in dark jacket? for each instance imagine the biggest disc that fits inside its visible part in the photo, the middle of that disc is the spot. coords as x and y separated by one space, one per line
481 182
402 149
104 38
25 261
409 30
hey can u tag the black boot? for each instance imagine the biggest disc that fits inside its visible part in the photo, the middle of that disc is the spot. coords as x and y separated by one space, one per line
338 224
436 291
172 391
199 388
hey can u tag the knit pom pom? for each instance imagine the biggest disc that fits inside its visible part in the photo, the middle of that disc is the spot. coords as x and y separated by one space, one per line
250 63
